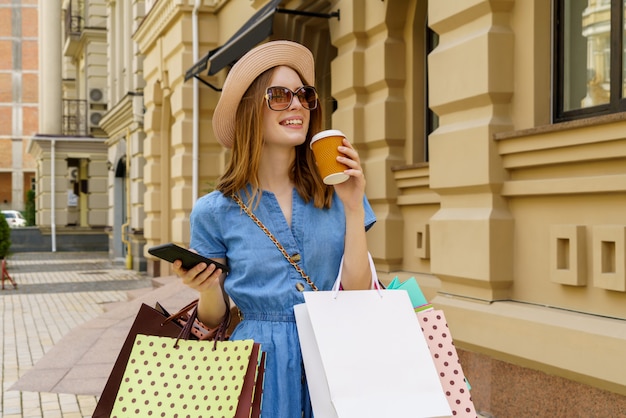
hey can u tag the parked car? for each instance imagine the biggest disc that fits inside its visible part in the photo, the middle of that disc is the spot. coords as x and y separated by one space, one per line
14 218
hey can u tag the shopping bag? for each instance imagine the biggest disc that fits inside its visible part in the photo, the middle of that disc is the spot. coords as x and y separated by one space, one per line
439 340
418 300
170 377
148 321
157 322
353 372
446 359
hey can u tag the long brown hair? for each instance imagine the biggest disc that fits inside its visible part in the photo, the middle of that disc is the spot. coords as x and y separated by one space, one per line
243 167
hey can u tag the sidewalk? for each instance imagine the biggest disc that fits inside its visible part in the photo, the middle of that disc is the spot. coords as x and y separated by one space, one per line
63 327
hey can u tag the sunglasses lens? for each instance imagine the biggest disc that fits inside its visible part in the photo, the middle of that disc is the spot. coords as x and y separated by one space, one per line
280 98
308 97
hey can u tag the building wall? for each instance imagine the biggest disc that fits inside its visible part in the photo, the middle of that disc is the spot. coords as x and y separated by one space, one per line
123 124
69 147
165 40
512 225
527 211
19 73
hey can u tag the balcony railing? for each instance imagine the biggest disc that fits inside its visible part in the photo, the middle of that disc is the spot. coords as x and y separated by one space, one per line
75 117
73 20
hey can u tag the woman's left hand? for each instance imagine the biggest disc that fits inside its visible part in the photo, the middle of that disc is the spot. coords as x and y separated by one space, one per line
351 191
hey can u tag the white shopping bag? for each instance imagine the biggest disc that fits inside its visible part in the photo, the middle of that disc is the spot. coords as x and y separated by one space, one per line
365 356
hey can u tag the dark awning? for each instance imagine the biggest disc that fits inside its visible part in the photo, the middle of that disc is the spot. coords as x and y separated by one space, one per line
255 30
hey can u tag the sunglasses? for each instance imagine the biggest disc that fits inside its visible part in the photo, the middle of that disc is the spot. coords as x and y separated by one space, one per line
280 98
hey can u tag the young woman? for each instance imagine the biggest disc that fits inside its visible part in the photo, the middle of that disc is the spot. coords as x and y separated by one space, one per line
267 113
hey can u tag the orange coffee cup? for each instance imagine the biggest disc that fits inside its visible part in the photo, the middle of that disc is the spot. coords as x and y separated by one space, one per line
324 145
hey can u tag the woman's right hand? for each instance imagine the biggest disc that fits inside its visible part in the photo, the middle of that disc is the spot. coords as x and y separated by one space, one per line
207 281
200 277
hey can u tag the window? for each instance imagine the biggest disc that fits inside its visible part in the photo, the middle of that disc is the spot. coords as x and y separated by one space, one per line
432 119
589 62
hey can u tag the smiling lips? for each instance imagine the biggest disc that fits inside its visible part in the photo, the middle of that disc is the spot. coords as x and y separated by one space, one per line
292 122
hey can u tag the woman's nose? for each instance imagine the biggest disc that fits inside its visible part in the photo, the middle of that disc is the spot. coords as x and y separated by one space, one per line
295 103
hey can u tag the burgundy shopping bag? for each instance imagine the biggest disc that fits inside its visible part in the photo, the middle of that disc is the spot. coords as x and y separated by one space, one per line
150 321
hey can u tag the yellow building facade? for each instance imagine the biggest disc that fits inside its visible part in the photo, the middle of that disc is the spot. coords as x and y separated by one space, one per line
513 224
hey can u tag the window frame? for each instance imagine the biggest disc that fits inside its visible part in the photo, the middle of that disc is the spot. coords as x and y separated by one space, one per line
617 102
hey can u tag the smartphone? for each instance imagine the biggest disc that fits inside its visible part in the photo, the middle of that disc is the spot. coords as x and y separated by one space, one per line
172 252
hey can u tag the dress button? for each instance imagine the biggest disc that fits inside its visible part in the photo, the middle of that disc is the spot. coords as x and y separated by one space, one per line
300 287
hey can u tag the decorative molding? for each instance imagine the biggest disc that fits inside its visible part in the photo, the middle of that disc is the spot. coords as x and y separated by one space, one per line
565 186
568 261
162 14
413 184
609 257
155 22
564 159
116 120
423 241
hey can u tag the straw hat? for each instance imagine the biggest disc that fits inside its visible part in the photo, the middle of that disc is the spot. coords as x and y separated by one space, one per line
246 70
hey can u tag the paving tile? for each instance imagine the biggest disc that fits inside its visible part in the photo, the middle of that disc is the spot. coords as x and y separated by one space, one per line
86 372
44 381
82 386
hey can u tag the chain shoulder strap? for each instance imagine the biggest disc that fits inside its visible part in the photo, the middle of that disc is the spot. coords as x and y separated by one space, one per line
276 242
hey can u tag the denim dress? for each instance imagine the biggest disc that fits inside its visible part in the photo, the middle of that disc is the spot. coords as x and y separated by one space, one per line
262 283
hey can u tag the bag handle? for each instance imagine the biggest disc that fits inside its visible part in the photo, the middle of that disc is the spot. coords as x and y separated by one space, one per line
375 282
218 333
182 313
276 242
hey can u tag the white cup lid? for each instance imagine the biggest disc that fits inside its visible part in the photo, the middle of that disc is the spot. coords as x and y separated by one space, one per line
328 132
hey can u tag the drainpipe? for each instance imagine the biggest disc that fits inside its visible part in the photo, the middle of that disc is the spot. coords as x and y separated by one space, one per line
166 157
196 110
53 221
126 225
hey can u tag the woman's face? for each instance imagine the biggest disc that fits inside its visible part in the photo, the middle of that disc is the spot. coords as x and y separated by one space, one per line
286 128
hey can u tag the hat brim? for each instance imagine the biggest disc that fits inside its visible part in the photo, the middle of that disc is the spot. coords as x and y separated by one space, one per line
246 70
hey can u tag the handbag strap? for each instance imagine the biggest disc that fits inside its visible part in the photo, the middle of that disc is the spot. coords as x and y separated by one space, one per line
276 242
189 317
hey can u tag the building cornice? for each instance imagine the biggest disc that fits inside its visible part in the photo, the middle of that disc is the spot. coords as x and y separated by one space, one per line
162 14
118 118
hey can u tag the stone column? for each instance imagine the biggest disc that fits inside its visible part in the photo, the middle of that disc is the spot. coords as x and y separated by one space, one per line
50 55
471 85
371 110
